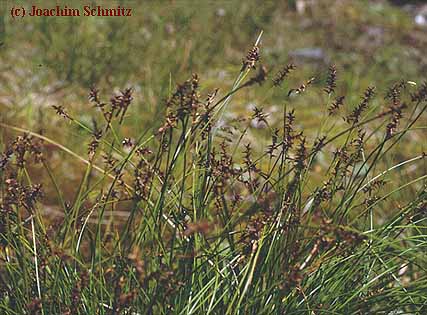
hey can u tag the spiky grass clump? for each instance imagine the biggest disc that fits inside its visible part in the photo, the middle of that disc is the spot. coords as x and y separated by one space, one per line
214 224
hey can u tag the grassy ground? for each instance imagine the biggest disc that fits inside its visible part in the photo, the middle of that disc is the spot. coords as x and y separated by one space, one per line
203 224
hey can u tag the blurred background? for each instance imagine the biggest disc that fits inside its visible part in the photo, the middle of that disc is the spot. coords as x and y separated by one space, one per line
49 61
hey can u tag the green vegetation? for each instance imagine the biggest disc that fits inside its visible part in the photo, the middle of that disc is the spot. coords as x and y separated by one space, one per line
288 176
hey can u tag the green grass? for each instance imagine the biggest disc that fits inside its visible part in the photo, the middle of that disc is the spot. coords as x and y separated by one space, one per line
184 200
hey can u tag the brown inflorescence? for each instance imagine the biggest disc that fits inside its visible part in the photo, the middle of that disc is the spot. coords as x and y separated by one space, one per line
355 115
331 81
282 74
252 57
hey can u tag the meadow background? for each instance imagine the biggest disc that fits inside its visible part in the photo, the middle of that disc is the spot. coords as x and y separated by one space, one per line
310 236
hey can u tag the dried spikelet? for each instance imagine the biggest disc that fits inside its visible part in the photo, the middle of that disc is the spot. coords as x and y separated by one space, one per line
355 115
319 142
21 148
250 165
143 177
252 57
94 97
60 110
331 81
120 103
302 87
396 114
127 142
93 145
289 135
183 102
375 185
259 78
259 115
301 155
282 74
395 92
30 195
5 158
206 114
336 105
273 146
